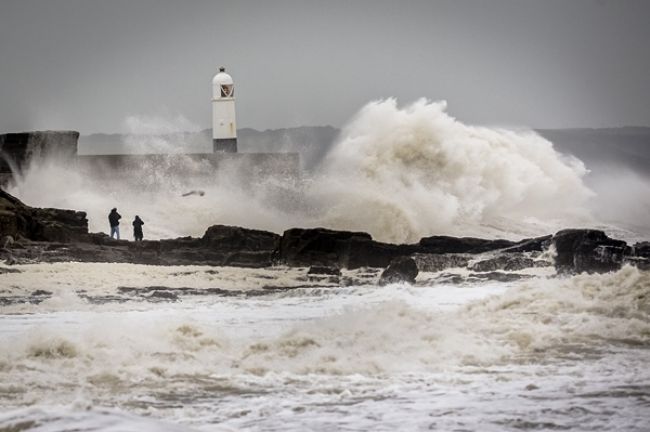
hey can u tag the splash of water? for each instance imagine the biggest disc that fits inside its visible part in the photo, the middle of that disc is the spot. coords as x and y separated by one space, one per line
397 173
416 171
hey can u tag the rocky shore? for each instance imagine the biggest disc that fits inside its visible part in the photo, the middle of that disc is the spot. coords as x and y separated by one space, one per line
53 235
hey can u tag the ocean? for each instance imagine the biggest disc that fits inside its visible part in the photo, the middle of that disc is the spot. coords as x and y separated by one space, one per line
121 347
97 348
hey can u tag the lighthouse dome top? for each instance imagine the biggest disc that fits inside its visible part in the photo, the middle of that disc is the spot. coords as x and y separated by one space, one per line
222 77
223 86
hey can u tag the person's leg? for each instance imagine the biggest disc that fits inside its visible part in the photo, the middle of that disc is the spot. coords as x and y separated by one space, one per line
117 231
112 231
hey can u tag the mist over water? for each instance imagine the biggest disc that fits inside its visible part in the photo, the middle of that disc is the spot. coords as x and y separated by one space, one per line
399 173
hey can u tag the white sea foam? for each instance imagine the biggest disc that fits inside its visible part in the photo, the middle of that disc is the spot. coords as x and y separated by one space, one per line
416 170
398 173
389 334
80 418
448 354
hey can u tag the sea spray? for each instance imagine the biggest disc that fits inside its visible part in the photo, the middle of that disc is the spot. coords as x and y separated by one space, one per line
397 173
404 173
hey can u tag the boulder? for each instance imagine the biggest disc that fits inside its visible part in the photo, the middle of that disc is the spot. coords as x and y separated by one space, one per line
369 253
586 250
341 249
232 238
318 246
402 269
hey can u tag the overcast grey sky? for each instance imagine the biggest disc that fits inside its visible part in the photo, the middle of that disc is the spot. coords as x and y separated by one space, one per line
88 64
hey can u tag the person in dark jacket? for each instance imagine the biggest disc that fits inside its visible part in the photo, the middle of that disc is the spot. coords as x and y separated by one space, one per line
137 228
114 220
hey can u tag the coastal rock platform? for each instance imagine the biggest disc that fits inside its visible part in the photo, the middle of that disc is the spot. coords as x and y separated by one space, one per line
31 235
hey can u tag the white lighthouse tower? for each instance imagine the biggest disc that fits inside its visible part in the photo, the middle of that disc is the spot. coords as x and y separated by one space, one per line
224 127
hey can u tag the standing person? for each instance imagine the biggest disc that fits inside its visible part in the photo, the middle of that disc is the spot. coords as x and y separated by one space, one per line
137 228
114 219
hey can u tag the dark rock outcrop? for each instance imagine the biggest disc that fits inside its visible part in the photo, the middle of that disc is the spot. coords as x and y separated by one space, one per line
496 276
54 235
642 250
223 237
402 269
446 244
427 262
321 270
585 250
342 249
507 262
240 246
537 244
19 220
220 246
317 246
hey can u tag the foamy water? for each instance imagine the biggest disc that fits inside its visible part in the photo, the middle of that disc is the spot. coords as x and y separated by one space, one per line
540 354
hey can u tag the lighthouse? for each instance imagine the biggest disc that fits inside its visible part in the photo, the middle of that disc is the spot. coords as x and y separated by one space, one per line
224 127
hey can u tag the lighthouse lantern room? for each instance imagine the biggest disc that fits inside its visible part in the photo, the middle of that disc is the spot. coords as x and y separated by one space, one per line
224 127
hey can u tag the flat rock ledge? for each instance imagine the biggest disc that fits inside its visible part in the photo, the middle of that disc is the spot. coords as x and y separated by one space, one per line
30 235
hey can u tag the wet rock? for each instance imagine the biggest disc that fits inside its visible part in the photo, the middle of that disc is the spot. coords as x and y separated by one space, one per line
537 244
19 220
7 242
59 225
163 295
402 269
508 262
232 238
585 250
369 253
342 249
322 270
638 262
497 276
446 244
40 292
438 262
6 253
54 235
642 250
318 246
